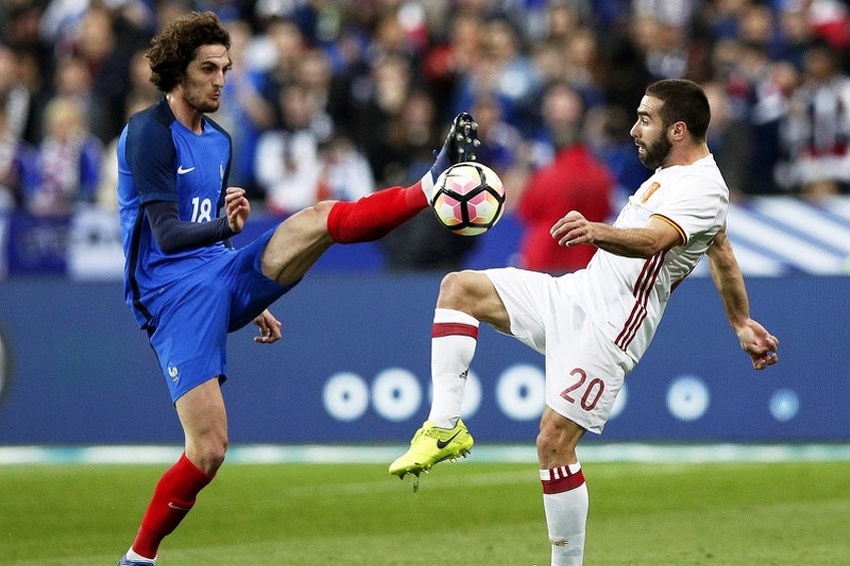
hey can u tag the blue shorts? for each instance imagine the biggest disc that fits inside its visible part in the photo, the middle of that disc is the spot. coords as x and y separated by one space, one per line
195 315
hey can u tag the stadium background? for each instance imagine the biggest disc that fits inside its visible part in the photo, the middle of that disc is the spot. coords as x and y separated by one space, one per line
354 362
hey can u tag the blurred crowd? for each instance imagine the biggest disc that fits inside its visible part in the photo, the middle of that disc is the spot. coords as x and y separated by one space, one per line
331 99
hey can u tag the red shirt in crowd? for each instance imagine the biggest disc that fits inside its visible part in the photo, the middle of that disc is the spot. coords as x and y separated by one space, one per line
575 180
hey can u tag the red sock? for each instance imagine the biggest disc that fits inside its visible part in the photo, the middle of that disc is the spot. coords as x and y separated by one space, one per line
172 499
376 215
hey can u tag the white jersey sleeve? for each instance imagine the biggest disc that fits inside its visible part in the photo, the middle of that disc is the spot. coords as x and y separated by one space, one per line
626 297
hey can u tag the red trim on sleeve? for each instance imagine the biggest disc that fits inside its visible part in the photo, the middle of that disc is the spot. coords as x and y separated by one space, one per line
683 238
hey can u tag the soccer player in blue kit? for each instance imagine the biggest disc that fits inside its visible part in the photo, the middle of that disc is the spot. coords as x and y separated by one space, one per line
185 286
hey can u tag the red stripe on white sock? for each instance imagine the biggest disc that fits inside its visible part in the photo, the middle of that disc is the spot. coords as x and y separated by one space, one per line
440 329
561 479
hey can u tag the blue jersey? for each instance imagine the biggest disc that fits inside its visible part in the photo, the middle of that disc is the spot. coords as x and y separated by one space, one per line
159 159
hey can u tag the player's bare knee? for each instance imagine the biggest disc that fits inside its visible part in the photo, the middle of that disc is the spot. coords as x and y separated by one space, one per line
547 440
210 456
448 296
322 209
456 292
557 439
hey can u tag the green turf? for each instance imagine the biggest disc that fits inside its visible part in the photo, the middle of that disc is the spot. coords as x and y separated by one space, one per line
468 513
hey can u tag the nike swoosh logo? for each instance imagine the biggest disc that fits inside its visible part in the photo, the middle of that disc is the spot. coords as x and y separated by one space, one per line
182 171
443 443
177 507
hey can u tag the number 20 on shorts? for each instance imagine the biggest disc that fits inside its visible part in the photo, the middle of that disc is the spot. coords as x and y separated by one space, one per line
593 389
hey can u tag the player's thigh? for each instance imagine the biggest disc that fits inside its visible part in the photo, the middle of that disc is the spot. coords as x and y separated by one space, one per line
251 290
297 243
191 334
202 413
527 299
584 370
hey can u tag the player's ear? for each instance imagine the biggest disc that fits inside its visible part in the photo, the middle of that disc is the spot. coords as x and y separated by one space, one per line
678 131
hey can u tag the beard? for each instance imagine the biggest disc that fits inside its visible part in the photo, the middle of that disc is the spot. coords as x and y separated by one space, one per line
656 154
200 102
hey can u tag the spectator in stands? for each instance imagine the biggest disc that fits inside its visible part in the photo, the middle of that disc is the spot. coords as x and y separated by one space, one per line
575 180
451 59
17 159
313 74
389 87
796 34
15 97
421 243
73 79
68 161
107 58
729 139
287 162
829 20
507 72
817 131
245 112
659 32
757 90
302 163
284 46
582 61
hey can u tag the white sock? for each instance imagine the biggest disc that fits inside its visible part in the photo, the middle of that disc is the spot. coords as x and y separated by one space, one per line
565 501
427 183
454 337
133 555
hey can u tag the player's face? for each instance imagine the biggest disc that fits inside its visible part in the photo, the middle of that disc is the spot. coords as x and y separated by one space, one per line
650 134
205 77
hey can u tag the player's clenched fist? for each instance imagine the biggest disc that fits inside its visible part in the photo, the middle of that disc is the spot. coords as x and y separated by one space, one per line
237 208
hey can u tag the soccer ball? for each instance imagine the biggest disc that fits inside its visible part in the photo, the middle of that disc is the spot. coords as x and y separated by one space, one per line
468 198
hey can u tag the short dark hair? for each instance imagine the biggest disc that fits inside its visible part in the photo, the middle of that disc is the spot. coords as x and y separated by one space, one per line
684 101
173 49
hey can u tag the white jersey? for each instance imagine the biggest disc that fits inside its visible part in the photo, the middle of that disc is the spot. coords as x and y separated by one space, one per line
626 297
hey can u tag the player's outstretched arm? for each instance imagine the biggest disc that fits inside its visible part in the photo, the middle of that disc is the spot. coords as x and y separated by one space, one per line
574 230
755 340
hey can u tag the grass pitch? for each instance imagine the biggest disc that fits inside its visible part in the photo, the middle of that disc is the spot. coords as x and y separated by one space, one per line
468 513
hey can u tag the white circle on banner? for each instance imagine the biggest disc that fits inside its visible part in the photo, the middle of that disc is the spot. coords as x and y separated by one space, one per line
396 394
346 396
688 398
521 392
784 405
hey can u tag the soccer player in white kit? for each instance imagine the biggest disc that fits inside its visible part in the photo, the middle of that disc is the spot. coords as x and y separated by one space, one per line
594 325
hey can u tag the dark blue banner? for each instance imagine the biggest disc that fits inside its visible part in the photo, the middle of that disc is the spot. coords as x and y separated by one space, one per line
354 363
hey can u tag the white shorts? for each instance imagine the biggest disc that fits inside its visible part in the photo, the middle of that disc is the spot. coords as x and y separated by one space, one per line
584 369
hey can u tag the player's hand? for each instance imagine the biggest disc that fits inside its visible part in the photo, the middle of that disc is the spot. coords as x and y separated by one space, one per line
572 230
759 344
269 328
237 208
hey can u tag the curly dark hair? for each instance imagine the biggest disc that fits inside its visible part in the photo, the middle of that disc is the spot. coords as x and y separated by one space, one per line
173 49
